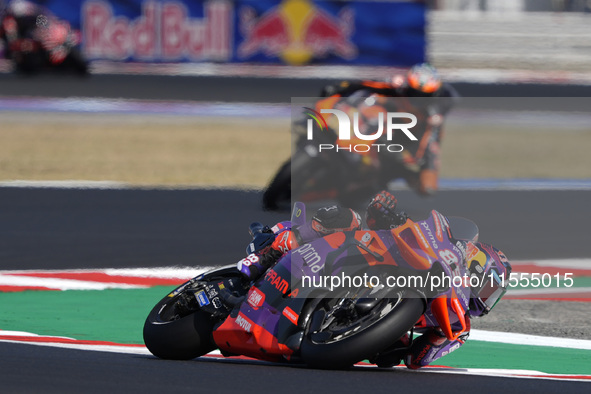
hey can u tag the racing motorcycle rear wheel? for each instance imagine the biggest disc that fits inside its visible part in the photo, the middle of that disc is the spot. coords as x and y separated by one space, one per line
344 331
76 62
176 328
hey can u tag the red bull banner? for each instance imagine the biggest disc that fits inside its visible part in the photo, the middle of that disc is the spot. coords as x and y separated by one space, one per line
294 32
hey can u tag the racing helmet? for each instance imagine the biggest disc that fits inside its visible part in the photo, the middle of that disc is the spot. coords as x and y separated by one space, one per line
22 8
489 268
334 219
422 80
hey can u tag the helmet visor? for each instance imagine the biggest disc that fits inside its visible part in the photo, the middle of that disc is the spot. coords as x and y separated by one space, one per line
492 290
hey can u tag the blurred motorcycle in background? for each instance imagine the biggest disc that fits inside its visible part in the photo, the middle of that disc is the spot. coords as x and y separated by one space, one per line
351 173
37 41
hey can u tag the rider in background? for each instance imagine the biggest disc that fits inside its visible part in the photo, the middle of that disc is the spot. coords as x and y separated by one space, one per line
421 92
34 39
269 244
18 23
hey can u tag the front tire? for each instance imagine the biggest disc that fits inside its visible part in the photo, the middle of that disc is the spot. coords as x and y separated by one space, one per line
279 190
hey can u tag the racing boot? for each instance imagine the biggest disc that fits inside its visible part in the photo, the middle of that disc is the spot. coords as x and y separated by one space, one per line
430 346
394 354
428 182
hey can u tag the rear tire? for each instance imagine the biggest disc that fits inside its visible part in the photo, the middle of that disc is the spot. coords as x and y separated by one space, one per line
181 339
320 351
76 62
175 334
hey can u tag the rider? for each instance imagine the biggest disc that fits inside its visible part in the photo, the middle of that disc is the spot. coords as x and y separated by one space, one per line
269 244
25 35
19 22
421 92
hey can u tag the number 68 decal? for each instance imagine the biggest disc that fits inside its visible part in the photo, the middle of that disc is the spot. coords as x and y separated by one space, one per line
248 260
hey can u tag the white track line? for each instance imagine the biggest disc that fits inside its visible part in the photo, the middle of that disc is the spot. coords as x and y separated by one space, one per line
559 263
529 340
62 284
549 291
95 348
446 184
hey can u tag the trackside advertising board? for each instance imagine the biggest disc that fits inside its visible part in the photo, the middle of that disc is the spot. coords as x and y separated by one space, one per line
389 33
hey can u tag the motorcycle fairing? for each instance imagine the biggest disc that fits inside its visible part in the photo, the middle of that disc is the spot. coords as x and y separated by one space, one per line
448 309
269 324
440 309
241 335
413 246
263 325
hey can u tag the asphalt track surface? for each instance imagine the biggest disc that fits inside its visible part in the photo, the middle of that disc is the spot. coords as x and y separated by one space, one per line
69 228
96 372
231 89
75 371
51 228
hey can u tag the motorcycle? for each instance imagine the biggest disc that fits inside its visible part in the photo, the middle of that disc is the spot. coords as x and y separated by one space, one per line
52 45
346 176
290 315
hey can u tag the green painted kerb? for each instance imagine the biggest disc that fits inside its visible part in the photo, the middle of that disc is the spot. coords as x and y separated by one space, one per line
476 354
109 315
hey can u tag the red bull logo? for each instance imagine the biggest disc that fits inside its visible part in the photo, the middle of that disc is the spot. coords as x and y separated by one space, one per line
163 31
297 31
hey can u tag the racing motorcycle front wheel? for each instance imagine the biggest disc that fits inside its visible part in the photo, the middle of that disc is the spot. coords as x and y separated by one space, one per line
303 177
344 331
278 193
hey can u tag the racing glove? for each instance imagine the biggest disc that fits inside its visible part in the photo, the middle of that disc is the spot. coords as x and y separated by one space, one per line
283 243
381 212
267 246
